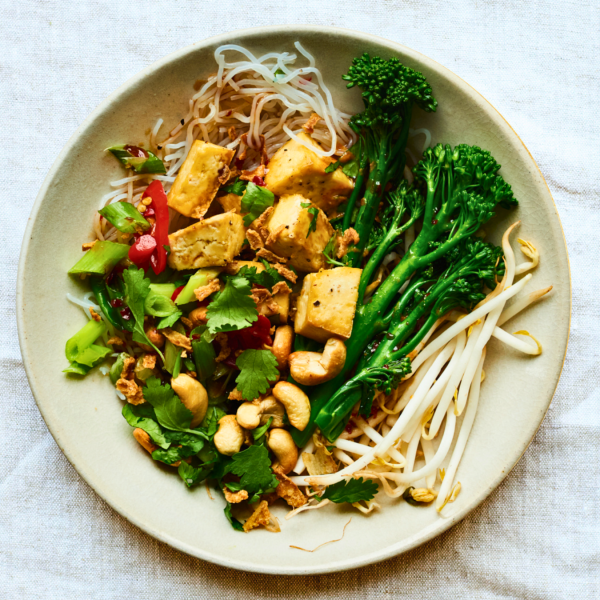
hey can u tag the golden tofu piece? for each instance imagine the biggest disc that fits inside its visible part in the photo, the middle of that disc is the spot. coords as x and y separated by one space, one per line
231 202
212 242
294 169
198 180
288 234
327 304
283 300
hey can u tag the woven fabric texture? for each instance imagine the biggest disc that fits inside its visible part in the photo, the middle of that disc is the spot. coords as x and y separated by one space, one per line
538 534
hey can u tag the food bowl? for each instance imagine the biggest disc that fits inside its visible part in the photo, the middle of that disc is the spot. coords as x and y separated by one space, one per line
85 416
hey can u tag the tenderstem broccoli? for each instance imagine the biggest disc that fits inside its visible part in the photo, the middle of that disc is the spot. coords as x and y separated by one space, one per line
462 189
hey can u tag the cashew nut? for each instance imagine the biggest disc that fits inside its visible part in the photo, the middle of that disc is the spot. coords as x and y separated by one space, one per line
295 401
230 436
252 414
198 316
282 445
312 368
282 344
143 439
193 395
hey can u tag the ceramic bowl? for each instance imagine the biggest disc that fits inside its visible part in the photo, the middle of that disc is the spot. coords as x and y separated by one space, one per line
85 416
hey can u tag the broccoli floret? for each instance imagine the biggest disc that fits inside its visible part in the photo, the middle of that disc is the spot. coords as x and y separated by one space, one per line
389 91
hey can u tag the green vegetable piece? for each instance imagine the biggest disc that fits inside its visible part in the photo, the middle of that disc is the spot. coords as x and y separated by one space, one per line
83 339
233 308
138 159
353 490
204 354
258 369
93 355
255 201
159 305
169 321
170 410
125 217
200 278
254 469
133 416
172 354
75 369
259 433
313 211
191 475
232 520
137 288
267 278
100 258
238 187
163 289
117 367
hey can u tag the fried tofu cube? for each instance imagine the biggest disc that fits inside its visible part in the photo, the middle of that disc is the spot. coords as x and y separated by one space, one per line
198 180
282 299
288 234
327 304
295 169
212 242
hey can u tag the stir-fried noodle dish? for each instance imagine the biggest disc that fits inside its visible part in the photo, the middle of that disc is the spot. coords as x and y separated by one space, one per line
294 303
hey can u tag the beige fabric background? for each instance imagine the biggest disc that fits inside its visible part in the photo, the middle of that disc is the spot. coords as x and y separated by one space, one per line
537 536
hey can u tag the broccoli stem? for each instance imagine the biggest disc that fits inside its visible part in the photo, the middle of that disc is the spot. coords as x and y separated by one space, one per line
356 192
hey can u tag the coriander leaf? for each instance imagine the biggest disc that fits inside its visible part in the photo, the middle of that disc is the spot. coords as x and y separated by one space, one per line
170 456
191 475
233 308
192 443
238 187
351 168
328 253
255 201
353 490
254 469
150 426
169 321
333 166
257 369
267 278
314 212
234 522
137 288
170 410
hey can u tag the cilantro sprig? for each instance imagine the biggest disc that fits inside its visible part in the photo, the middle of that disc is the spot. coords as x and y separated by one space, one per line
353 490
253 467
137 288
267 278
233 308
258 369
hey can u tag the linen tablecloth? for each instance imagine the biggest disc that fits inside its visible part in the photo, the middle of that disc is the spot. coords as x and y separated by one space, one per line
537 536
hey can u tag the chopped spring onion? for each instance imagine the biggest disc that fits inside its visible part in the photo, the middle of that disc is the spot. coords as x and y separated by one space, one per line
139 159
125 217
199 279
100 258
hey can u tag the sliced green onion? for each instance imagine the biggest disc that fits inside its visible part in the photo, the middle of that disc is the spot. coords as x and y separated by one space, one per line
172 355
125 217
158 305
83 339
100 258
117 368
139 159
92 355
199 279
